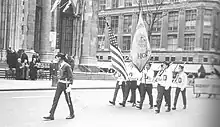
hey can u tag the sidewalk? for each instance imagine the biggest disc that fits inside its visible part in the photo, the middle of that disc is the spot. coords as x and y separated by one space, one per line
19 85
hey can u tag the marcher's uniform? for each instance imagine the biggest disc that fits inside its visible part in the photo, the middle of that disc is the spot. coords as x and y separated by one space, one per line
65 78
164 83
146 86
181 83
120 83
131 86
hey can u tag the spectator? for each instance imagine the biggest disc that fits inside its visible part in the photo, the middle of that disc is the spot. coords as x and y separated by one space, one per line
33 69
19 71
201 74
23 56
25 69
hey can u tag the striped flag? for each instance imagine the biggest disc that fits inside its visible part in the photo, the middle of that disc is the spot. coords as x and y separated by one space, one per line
117 60
56 3
67 5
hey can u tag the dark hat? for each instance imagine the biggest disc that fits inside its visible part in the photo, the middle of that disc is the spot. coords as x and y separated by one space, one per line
167 63
61 55
180 66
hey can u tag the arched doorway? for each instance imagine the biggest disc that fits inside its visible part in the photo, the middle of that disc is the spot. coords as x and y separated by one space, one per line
66 29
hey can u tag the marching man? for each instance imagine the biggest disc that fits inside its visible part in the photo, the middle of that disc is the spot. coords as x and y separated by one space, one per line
164 80
146 85
120 83
65 79
181 82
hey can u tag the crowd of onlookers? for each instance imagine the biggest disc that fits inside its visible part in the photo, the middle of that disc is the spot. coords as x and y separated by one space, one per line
24 69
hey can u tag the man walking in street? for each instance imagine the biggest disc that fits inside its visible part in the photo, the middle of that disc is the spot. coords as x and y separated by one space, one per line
146 85
65 79
164 80
181 82
120 83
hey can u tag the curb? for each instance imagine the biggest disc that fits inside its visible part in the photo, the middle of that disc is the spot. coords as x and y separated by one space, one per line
39 89
54 88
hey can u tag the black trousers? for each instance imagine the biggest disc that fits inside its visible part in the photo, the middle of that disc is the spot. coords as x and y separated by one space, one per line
131 86
167 97
163 92
143 89
117 88
61 87
178 90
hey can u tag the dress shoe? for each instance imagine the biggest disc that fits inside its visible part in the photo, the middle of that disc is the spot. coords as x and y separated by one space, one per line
151 107
111 102
122 104
133 105
157 111
174 108
70 117
168 110
139 107
138 102
48 118
184 107
155 105
130 101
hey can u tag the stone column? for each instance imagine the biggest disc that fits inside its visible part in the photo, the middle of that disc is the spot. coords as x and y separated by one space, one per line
181 29
45 47
164 30
199 29
88 56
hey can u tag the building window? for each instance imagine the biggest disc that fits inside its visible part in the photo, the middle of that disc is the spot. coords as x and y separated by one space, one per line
205 60
172 42
126 43
173 58
190 19
173 21
167 58
128 3
101 43
189 42
127 23
101 57
158 22
114 24
207 18
156 58
109 57
101 25
151 58
97 57
206 42
184 59
155 41
190 59
102 4
158 1
115 3
174 1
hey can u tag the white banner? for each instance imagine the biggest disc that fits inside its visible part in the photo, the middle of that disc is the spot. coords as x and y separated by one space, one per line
207 86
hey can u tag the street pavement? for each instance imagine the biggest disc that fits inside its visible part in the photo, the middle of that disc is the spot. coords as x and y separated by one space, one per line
20 85
27 107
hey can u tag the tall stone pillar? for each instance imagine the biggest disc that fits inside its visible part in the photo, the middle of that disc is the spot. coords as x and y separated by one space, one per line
199 29
181 29
164 30
88 56
45 46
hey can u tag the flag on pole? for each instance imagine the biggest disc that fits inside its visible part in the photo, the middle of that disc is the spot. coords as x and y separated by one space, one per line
56 3
67 5
117 60
140 49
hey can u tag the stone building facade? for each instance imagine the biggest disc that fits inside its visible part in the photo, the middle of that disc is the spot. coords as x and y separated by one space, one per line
187 32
